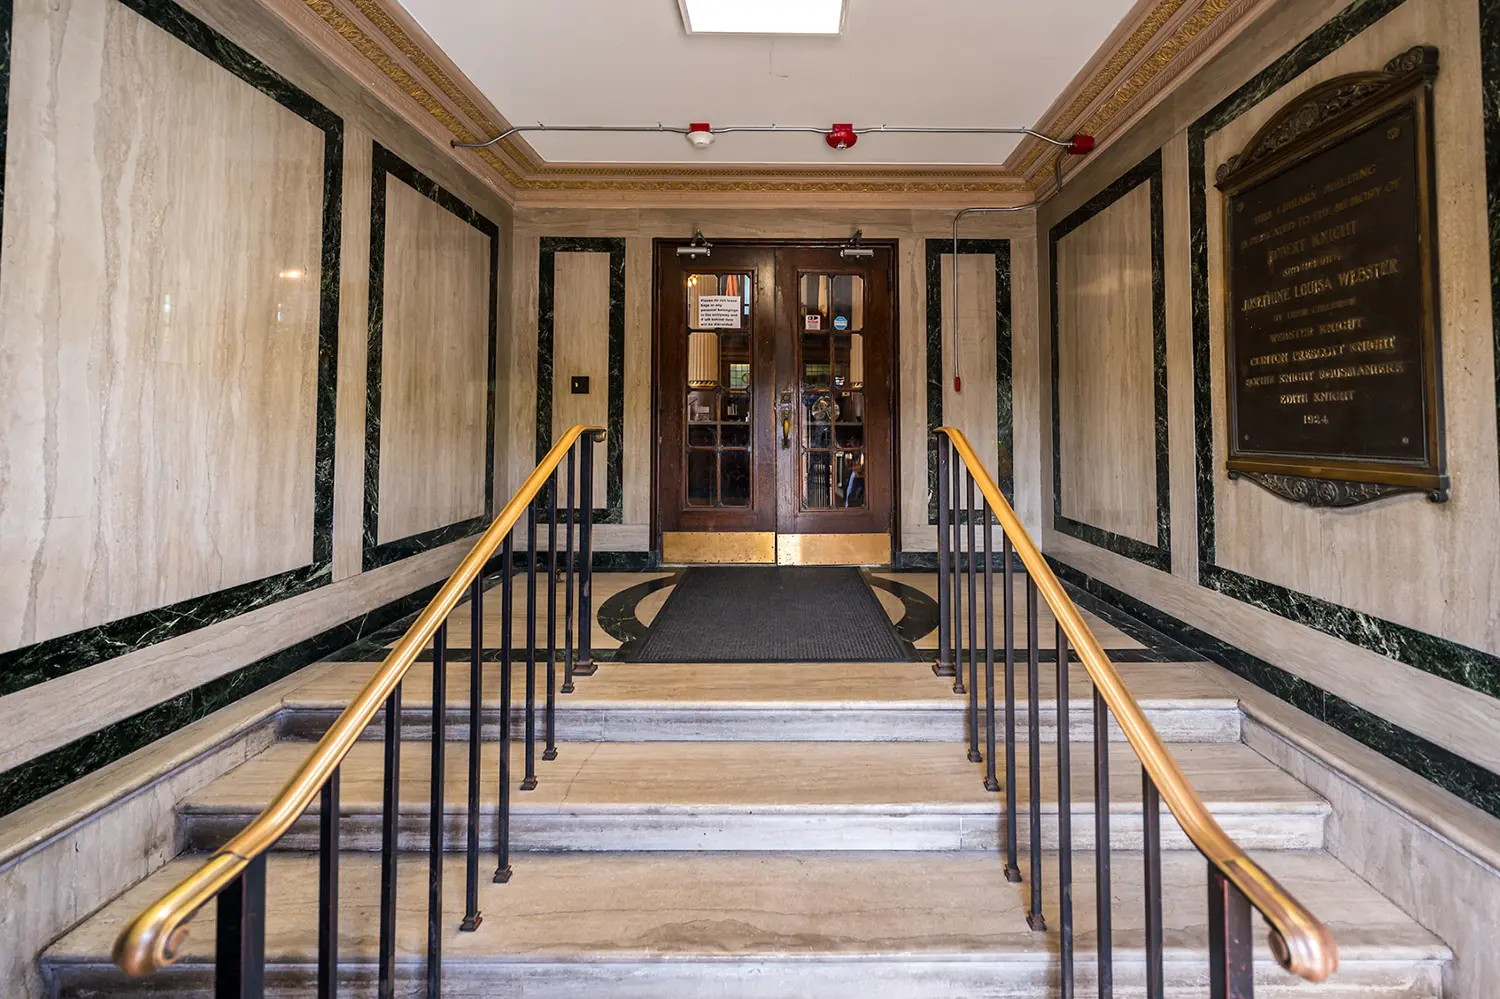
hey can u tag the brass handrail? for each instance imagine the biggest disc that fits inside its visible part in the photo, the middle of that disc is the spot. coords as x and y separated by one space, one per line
1298 939
155 937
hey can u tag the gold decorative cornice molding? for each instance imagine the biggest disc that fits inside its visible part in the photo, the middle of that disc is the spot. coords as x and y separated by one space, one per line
1082 94
1165 44
391 55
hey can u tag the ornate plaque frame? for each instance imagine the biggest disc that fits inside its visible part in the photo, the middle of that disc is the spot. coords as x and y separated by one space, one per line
1314 123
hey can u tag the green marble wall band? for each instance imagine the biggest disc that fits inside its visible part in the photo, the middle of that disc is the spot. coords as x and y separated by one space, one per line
1004 422
1470 667
388 164
47 660
1473 783
1159 555
46 773
613 512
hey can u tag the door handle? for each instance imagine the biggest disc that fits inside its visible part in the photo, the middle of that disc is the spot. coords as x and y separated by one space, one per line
784 410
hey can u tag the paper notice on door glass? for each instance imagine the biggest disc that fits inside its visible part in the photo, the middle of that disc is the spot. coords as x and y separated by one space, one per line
719 312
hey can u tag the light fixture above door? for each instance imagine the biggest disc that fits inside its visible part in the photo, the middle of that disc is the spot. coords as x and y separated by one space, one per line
764 17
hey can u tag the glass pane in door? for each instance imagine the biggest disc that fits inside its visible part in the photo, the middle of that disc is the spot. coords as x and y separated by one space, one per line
720 373
831 370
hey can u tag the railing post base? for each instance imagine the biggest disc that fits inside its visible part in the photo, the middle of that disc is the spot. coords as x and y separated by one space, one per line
470 925
941 668
1013 875
585 668
549 755
529 784
991 784
501 876
1035 920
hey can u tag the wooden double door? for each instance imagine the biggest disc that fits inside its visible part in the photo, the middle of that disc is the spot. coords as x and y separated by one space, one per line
774 394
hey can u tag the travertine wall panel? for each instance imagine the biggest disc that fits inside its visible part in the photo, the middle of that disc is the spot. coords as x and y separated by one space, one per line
1106 390
972 410
159 309
434 368
580 339
180 458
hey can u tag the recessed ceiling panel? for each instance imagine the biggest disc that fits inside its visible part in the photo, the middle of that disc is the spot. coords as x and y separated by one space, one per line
632 62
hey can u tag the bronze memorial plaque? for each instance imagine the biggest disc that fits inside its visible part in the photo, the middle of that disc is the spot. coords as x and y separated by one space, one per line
1331 293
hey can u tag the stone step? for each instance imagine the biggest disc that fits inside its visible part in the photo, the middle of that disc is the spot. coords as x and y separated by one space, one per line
760 926
762 796
786 702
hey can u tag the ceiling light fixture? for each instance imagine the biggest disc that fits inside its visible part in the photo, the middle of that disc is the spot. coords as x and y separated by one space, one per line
764 17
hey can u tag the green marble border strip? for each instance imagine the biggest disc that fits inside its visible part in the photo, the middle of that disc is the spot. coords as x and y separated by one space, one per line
7 19
1448 770
1473 668
613 512
41 776
1004 376
56 657
388 164
1159 555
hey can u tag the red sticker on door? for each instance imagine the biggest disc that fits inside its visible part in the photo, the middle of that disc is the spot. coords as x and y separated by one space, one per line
813 322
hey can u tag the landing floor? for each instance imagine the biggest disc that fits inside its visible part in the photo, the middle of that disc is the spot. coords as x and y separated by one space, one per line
626 603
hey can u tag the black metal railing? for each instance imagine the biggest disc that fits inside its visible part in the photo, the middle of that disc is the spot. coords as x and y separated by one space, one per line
236 874
1299 941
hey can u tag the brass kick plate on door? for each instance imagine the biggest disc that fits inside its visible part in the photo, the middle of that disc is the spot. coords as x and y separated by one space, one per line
718 547
833 549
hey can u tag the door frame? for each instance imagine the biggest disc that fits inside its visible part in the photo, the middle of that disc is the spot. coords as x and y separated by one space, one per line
661 245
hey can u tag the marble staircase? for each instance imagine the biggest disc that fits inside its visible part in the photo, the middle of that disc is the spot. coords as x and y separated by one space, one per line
759 831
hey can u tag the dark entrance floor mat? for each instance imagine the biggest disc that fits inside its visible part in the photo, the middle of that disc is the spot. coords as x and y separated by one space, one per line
747 614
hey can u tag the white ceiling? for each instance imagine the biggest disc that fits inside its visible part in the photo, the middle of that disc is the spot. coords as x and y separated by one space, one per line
899 62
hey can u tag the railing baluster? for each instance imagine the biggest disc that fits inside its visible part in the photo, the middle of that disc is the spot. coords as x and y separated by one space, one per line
435 816
973 624
585 665
1034 917
528 782
990 783
389 826
958 596
240 942
550 753
328 888
567 687
1231 970
946 660
472 918
1064 816
1102 897
1151 842
502 818
1012 864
